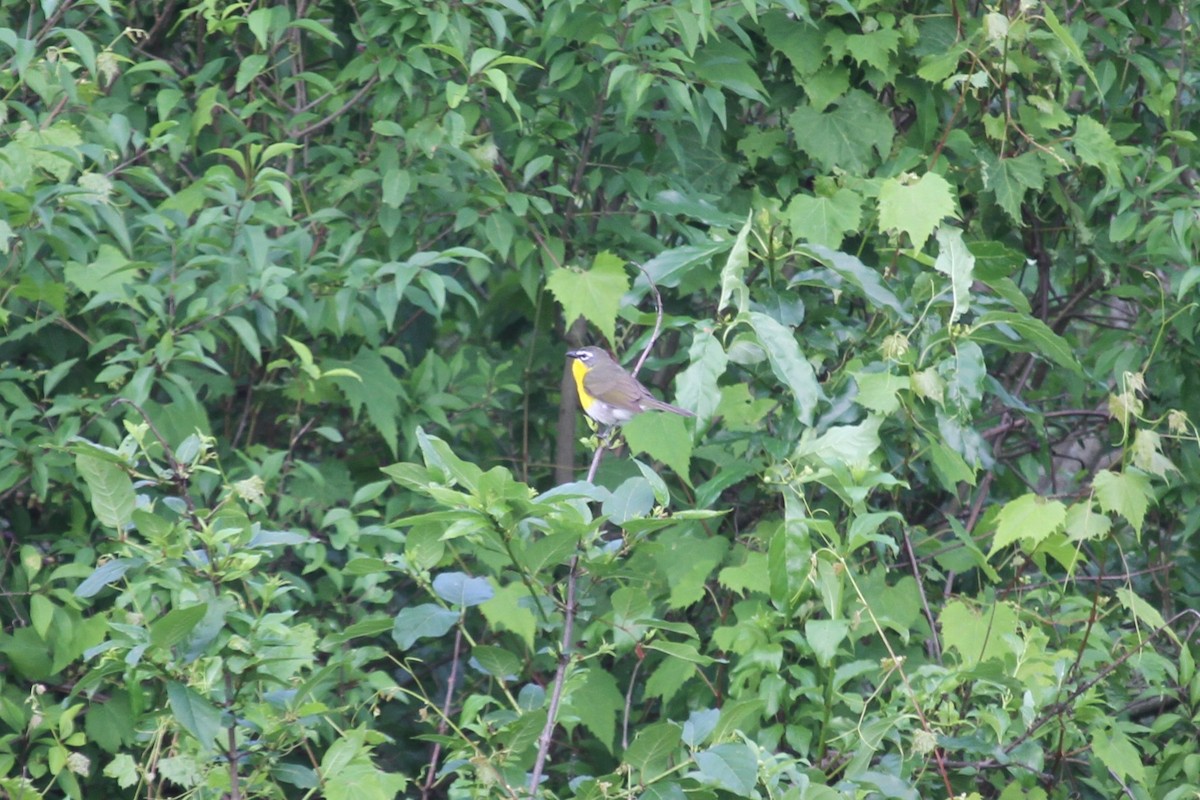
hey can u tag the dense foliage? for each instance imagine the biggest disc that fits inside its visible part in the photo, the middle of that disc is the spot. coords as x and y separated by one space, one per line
292 504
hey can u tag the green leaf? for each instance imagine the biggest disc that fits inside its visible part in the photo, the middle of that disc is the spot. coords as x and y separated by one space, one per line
123 769
459 589
247 334
1084 524
964 372
1009 179
1148 455
633 499
730 766
949 466
594 295
1037 336
668 678
1068 41
105 574
825 220
879 391
372 384
417 622
1029 518
496 661
174 626
733 285
687 564
698 388
680 650
664 437
1114 750
915 207
853 137
112 491
850 445
654 747
1144 612
1127 493
197 715
110 275
824 636
347 772
593 698
977 635
1095 147
722 63
249 68
788 363
956 262
511 609
864 278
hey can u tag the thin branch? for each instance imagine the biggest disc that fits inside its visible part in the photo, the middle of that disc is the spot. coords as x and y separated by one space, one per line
455 659
349 104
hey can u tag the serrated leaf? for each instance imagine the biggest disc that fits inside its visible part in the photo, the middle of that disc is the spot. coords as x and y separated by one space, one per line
595 700
1095 147
1010 178
853 137
955 261
369 382
1030 518
1127 493
664 437
977 634
1148 455
1143 611
964 372
915 207
825 220
1084 524
594 294
1114 750
879 391
511 609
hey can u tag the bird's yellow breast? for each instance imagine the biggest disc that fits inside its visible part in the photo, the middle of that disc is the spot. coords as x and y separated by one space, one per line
579 370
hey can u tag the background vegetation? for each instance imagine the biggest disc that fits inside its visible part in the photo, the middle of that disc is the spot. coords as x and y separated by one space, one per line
291 502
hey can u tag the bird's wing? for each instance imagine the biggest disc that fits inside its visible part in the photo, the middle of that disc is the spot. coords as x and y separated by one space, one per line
619 387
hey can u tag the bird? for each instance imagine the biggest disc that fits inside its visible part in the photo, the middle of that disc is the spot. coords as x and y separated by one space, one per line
608 393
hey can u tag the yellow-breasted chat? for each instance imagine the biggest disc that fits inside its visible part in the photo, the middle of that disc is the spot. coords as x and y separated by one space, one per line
608 393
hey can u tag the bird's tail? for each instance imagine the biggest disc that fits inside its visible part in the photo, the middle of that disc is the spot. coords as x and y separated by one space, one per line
659 405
